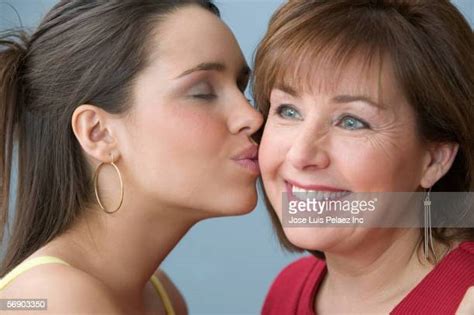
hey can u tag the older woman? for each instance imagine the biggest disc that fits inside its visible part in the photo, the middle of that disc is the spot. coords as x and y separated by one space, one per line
367 96
132 126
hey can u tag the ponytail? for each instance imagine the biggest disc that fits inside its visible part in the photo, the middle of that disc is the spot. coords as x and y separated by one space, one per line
13 48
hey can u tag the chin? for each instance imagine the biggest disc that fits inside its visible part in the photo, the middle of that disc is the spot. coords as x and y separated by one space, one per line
316 238
240 205
245 206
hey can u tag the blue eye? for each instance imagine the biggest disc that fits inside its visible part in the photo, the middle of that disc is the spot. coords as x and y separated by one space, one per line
288 112
352 123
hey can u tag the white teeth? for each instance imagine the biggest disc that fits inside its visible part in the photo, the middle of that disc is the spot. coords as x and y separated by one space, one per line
318 195
300 190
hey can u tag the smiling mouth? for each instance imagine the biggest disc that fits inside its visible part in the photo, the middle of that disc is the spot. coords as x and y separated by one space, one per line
320 193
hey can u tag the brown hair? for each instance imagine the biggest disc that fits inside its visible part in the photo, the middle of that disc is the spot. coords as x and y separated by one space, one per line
431 48
82 52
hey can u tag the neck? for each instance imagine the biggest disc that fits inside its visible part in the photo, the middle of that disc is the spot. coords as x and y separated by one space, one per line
124 249
379 273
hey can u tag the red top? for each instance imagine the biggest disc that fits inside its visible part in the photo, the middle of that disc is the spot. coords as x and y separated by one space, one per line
440 292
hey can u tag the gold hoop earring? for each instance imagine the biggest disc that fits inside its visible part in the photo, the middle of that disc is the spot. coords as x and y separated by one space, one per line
96 177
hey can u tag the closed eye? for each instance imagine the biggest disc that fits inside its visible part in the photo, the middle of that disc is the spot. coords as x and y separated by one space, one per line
204 96
202 91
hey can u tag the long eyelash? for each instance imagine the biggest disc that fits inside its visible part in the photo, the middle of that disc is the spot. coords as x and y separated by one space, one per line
205 96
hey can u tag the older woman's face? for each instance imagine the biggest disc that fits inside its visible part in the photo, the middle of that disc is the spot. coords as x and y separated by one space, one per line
358 135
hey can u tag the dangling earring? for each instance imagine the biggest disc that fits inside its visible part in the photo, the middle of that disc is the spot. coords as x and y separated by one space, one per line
96 176
428 236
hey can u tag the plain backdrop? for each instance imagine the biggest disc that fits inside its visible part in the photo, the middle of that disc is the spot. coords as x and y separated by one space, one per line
223 266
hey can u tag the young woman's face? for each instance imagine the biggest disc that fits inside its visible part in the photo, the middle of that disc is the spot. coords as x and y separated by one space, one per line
357 136
188 143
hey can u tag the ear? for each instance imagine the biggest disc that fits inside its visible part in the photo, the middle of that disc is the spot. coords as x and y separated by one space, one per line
439 160
92 128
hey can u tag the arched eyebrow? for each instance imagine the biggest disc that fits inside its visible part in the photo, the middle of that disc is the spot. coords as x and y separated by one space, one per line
356 98
215 66
205 66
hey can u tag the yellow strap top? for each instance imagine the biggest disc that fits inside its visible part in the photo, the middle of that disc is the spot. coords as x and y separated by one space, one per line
37 261
27 265
163 295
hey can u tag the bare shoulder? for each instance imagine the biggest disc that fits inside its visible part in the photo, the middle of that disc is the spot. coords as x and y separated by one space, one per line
67 290
179 303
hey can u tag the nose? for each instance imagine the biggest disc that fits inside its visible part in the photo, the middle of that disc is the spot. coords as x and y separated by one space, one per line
244 118
307 151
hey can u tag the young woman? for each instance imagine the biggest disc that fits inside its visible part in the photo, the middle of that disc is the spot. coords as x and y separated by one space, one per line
131 126
368 96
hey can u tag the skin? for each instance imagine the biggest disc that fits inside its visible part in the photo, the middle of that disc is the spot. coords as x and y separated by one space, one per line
316 137
174 149
467 305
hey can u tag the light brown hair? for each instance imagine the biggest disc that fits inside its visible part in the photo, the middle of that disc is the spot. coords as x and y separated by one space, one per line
431 48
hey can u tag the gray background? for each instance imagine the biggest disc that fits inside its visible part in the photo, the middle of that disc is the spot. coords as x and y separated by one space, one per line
223 266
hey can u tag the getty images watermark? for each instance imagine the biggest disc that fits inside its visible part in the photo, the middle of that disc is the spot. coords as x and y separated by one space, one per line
328 208
381 209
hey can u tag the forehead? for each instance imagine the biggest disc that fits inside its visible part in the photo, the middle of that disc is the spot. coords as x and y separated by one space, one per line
192 35
359 74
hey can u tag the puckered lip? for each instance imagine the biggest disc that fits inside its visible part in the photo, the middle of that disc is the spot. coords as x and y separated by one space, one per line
249 153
